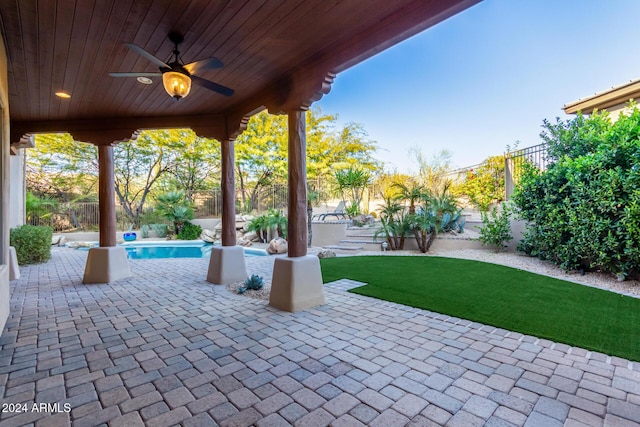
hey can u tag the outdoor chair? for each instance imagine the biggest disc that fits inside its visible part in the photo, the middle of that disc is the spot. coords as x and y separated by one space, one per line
338 212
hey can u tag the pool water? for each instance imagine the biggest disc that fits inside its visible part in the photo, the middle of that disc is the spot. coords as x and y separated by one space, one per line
155 250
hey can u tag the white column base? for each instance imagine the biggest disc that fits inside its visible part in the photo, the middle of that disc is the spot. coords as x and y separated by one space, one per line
296 284
227 265
106 265
14 269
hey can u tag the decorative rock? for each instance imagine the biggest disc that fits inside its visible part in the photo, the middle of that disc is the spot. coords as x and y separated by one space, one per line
251 236
218 227
55 240
239 234
327 253
207 236
277 246
363 219
62 241
79 245
243 242
240 225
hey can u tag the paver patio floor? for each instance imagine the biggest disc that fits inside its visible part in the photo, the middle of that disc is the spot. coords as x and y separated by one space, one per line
167 348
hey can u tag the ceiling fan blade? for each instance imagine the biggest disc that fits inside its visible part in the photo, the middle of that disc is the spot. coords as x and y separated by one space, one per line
135 74
140 51
223 90
203 65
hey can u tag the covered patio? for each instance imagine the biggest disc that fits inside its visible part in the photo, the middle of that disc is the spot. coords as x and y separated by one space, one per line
102 340
166 348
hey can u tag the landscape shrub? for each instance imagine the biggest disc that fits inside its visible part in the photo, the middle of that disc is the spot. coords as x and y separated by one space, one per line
496 227
189 231
584 210
32 243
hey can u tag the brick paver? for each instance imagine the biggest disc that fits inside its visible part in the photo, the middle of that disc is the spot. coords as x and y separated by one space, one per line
165 347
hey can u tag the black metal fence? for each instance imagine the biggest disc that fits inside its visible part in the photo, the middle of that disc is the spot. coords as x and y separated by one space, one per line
536 156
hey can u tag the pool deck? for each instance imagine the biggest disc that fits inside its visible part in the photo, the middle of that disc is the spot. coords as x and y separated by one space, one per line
166 348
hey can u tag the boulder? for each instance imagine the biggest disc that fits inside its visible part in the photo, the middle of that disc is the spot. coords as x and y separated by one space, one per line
327 253
252 236
243 242
239 234
240 225
277 246
55 240
208 236
218 227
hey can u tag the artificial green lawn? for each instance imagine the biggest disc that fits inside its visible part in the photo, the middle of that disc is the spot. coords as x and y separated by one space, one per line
500 296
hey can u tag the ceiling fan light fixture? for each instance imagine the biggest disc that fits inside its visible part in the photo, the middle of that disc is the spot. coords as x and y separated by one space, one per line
177 84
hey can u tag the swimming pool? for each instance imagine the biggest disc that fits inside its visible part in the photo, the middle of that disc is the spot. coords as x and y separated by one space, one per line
176 249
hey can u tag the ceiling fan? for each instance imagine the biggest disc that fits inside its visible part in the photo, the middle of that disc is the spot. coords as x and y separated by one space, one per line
176 76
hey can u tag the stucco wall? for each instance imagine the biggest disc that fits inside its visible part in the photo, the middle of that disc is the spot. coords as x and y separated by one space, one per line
4 186
616 110
17 190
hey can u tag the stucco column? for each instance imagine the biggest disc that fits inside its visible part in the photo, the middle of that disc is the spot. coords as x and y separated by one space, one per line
106 196
228 194
297 208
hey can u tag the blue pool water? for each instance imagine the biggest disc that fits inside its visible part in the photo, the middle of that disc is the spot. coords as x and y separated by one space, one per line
176 250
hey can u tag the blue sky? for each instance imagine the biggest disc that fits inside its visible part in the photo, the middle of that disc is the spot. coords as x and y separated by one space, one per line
487 77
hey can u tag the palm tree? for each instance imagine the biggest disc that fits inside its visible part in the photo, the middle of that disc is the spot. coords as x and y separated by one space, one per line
175 207
312 197
352 180
394 224
259 225
276 220
411 191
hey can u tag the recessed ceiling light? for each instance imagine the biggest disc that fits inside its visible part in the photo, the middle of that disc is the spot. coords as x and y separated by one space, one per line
63 95
145 80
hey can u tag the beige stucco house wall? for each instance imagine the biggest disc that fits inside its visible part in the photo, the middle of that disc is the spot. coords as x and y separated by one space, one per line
17 190
615 100
4 188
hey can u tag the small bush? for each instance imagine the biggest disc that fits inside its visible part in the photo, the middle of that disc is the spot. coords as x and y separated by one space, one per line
190 231
144 231
32 243
496 227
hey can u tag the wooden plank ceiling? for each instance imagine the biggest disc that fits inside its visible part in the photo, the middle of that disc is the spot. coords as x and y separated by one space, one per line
267 47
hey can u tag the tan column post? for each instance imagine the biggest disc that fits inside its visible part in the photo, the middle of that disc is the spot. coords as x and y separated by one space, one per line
297 208
228 194
106 196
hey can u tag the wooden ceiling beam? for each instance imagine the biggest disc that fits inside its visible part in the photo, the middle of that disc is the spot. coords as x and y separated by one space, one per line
110 131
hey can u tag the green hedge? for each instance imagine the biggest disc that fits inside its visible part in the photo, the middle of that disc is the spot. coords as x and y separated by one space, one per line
32 243
584 210
190 231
